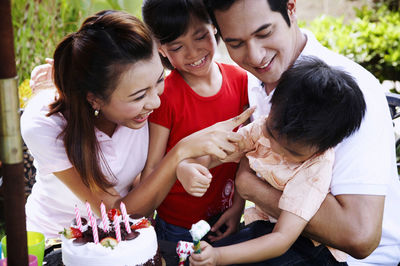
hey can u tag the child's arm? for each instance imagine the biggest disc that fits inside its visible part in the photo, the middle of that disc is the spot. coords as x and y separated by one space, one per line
286 231
158 138
194 174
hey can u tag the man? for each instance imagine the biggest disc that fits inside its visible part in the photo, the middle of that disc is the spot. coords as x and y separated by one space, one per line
361 216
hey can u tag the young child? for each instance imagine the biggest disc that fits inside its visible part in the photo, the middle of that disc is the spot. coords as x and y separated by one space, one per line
198 92
314 108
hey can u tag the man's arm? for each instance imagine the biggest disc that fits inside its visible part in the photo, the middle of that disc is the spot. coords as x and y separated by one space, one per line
351 223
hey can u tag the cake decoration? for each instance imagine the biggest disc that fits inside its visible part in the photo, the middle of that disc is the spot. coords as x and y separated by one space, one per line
115 245
72 232
198 231
184 249
104 218
93 224
78 218
117 228
125 217
109 242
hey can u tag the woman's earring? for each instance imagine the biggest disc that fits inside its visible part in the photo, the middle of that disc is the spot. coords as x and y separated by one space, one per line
96 112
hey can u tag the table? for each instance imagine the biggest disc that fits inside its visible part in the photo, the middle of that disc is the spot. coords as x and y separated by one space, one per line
167 250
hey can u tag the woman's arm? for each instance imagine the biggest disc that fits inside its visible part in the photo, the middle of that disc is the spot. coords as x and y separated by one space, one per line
157 146
147 196
73 181
217 140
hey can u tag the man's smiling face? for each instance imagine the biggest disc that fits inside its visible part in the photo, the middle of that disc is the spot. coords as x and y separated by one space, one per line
258 39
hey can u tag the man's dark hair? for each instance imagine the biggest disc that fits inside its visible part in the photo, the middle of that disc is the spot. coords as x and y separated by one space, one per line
169 19
223 5
316 104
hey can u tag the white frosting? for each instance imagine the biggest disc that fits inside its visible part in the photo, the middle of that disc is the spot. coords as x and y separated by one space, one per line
127 253
199 230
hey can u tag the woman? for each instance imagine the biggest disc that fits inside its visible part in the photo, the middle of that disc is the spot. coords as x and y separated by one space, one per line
90 138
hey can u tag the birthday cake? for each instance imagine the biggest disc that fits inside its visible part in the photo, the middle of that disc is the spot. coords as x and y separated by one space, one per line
98 244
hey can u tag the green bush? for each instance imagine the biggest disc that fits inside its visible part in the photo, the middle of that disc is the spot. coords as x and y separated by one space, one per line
39 25
372 39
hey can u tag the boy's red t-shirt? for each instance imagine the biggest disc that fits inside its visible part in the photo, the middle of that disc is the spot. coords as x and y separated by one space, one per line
183 112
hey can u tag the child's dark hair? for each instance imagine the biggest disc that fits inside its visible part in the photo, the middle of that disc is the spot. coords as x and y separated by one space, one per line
169 19
223 5
92 60
316 104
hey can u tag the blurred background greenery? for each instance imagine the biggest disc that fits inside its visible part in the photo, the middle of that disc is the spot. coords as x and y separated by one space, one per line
371 38
40 24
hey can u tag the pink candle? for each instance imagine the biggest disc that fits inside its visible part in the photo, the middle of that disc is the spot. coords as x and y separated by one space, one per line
78 218
125 217
104 217
117 228
89 211
93 223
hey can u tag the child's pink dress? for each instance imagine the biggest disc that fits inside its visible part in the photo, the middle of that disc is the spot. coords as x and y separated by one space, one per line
304 185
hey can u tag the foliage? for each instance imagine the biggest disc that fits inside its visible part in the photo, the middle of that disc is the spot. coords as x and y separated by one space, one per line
372 39
24 93
393 5
40 24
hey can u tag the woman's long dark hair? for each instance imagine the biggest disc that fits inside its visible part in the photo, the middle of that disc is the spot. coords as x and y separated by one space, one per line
92 60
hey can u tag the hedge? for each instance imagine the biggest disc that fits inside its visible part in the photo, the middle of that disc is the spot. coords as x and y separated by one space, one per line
372 39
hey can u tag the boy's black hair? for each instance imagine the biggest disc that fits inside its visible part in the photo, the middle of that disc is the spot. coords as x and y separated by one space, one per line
316 104
223 5
169 19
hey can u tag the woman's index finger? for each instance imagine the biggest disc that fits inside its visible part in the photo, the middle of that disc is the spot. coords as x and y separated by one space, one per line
240 119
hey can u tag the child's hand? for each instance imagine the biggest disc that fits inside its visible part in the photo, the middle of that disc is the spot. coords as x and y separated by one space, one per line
208 255
42 76
195 178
